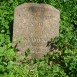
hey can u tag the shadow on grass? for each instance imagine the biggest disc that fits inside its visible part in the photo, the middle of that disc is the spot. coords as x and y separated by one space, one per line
11 30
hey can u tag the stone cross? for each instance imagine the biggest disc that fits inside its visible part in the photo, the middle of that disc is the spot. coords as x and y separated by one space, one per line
34 25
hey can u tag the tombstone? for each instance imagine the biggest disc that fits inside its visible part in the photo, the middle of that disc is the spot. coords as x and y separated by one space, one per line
34 25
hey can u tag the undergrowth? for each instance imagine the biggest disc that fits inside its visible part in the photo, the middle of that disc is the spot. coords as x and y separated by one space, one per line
62 63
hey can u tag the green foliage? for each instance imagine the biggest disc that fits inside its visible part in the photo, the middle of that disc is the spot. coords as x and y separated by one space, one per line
62 63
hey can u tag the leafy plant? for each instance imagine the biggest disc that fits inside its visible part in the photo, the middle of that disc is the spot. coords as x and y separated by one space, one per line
60 63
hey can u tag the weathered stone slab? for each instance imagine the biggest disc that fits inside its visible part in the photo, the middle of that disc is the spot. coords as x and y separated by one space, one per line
34 25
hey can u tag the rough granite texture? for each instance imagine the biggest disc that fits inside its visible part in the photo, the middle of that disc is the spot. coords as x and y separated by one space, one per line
34 25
